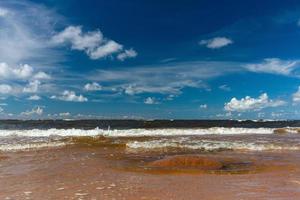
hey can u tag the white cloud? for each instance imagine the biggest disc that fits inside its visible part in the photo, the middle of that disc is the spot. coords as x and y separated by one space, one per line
92 87
203 106
79 40
296 96
35 111
32 87
225 88
127 54
216 43
3 12
1 109
274 66
22 79
70 96
167 79
25 51
5 89
252 104
20 72
151 100
92 43
105 50
42 75
34 98
65 114
24 33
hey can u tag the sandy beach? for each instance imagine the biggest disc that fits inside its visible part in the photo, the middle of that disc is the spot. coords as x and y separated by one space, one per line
106 172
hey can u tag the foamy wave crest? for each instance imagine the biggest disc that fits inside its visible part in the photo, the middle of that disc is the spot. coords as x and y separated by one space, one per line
49 132
133 132
208 145
22 147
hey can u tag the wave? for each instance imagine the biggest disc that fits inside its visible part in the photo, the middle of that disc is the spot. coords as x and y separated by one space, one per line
208 145
11 140
29 146
134 132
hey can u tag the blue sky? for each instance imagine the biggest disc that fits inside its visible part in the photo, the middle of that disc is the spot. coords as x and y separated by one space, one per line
150 59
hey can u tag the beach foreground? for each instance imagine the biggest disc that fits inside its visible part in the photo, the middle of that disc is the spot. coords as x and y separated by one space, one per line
111 172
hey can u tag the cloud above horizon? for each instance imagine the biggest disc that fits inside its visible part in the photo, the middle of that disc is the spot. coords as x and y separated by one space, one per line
92 87
216 43
151 101
93 43
53 55
70 96
252 104
274 66
35 111
165 78
21 40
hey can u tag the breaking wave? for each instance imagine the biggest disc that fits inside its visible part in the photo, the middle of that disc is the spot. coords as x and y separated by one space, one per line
12 140
208 145
133 132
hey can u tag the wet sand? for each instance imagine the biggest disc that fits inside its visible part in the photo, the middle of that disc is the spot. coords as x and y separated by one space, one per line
98 172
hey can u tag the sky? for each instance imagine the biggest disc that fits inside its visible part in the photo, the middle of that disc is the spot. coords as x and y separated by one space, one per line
125 59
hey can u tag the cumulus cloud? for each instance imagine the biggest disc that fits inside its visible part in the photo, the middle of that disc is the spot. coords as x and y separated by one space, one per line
42 75
130 53
35 111
93 43
203 106
216 43
21 72
34 98
5 89
92 87
105 50
68 95
274 66
79 41
252 104
65 114
32 87
151 100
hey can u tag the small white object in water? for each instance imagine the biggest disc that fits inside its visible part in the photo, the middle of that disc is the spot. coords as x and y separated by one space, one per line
81 194
27 192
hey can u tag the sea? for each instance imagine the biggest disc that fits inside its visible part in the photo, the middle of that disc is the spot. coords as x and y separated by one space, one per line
154 135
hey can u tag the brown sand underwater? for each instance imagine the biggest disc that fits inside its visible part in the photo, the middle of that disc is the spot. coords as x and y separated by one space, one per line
106 171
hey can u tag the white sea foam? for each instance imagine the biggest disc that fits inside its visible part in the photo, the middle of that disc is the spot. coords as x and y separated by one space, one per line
208 145
20 147
134 132
49 132
11 140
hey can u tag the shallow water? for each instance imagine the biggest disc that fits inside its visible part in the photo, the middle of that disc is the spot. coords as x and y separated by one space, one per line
164 163
81 171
